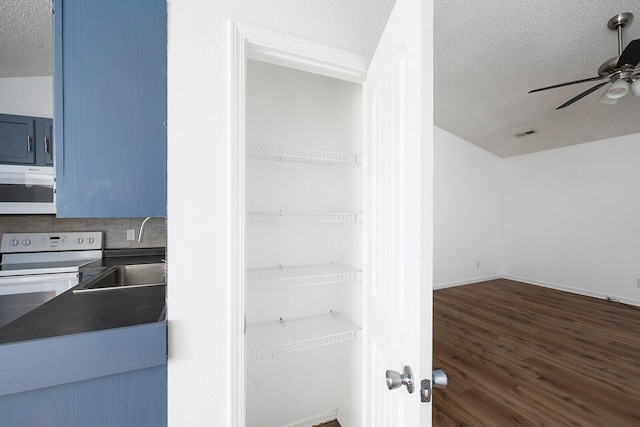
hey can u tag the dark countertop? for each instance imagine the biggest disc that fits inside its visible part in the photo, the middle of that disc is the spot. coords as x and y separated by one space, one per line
70 313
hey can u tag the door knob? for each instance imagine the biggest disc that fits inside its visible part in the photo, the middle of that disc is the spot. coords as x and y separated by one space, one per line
396 379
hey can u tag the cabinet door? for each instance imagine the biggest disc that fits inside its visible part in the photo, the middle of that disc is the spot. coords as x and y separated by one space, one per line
110 108
44 141
17 140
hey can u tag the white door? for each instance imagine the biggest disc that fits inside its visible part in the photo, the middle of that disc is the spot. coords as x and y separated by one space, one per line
398 250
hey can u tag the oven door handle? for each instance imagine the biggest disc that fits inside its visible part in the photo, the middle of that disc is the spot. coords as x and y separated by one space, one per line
58 282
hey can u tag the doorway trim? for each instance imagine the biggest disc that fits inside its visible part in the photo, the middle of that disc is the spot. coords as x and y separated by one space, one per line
249 41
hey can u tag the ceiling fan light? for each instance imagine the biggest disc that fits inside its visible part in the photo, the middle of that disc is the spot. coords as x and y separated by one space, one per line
635 87
618 89
604 99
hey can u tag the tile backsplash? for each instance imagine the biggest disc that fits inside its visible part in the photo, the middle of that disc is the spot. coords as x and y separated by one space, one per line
115 229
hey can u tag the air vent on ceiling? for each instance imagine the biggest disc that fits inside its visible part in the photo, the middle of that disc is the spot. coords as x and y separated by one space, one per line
529 132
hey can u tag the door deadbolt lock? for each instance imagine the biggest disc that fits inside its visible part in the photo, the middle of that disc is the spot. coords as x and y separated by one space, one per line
396 379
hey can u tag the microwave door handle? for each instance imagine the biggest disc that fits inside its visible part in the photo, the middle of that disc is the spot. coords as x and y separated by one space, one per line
44 181
26 179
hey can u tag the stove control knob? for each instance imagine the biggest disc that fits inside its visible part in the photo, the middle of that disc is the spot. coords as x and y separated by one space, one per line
26 242
14 242
90 240
79 240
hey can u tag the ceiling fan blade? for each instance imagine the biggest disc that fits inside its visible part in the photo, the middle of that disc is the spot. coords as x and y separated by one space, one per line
630 54
582 95
592 79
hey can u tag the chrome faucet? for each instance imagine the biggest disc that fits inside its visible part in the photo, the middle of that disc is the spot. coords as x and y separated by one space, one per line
142 228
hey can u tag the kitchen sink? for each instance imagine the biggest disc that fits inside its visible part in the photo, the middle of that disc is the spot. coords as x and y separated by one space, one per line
126 276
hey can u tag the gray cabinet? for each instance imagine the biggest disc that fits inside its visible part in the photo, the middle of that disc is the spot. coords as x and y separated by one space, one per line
26 140
17 136
44 132
110 108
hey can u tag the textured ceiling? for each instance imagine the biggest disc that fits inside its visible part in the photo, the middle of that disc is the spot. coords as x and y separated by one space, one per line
487 56
25 38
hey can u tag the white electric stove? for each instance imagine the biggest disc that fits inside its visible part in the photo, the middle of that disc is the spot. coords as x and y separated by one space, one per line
36 267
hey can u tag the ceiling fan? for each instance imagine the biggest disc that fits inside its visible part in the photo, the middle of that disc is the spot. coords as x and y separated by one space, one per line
622 71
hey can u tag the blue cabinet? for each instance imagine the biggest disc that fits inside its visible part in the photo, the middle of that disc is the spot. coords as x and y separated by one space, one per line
44 134
26 140
112 377
17 136
131 399
110 108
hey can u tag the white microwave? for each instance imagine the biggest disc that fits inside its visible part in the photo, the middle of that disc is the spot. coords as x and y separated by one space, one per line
27 190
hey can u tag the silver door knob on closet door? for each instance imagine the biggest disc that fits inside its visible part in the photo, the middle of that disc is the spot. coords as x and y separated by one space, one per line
396 379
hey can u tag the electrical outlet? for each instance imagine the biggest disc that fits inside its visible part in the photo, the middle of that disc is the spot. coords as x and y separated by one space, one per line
131 235
638 282
478 266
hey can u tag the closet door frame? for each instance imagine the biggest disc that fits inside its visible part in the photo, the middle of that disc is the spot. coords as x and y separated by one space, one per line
252 42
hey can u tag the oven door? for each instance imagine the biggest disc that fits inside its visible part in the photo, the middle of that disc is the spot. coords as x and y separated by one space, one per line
21 294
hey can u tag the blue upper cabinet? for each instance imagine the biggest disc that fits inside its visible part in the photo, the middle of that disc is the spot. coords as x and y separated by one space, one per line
44 131
26 140
17 140
110 107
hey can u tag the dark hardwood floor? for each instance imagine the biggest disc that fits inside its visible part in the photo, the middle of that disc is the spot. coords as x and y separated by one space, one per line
524 355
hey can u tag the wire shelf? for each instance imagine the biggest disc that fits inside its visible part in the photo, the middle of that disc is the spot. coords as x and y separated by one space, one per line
260 279
301 155
271 339
303 217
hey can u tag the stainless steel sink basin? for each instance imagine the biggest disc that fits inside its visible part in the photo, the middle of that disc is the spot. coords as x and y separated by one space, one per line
126 276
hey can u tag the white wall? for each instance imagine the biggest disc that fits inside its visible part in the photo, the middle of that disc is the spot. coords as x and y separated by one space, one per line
572 218
291 108
27 96
467 212
565 218
199 170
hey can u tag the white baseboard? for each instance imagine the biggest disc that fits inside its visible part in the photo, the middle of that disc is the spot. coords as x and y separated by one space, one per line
578 291
321 418
342 420
316 419
464 282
